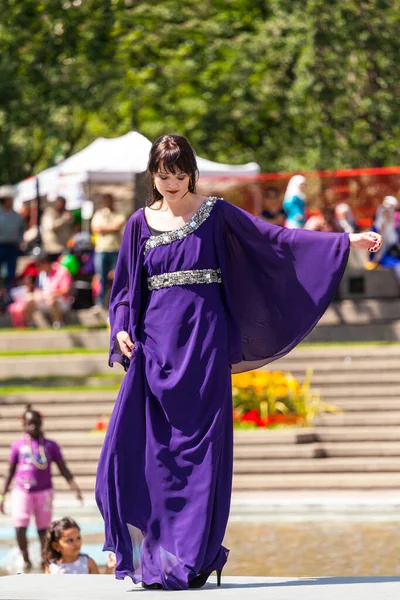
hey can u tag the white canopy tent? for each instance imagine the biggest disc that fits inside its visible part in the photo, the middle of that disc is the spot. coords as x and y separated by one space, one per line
109 160
208 168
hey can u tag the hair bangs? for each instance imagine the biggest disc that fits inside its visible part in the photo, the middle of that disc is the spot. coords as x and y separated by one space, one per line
174 154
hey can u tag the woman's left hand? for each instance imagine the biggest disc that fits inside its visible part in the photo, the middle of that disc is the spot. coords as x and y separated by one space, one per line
366 241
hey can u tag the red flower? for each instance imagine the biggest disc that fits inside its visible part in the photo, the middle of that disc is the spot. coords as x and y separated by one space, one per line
252 416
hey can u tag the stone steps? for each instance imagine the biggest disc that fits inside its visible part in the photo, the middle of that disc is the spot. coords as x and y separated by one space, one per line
369 332
353 449
319 450
282 467
340 314
370 405
54 424
85 365
340 364
54 399
358 419
48 339
337 465
55 365
279 451
360 392
353 378
268 439
358 449
96 393
361 311
357 434
85 416
66 439
354 409
90 447
93 407
283 481
322 481
331 364
99 339
72 454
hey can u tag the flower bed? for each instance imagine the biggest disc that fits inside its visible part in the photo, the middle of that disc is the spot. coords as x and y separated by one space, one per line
273 399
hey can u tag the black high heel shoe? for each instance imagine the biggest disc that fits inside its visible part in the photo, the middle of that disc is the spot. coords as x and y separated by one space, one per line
152 586
201 579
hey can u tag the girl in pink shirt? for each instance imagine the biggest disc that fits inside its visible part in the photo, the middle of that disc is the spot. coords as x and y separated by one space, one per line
32 493
53 294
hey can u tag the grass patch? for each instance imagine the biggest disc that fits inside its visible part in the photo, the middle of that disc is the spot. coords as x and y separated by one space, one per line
71 388
349 343
23 384
54 352
67 328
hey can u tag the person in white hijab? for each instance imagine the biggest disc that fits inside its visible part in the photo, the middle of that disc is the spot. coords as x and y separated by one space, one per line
294 203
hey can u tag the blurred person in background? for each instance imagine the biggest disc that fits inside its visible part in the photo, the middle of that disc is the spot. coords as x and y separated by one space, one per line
53 294
31 232
21 295
57 227
294 203
11 237
345 218
272 210
107 226
324 221
32 493
25 213
385 224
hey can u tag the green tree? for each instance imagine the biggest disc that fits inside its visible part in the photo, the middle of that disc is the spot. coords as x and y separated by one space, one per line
56 69
292 85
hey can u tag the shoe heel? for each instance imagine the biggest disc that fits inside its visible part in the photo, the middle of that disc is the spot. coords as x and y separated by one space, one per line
219 573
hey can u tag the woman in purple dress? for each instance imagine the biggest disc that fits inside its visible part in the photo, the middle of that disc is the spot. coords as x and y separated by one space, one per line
201 289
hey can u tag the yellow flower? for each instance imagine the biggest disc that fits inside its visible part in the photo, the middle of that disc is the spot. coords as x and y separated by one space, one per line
281 391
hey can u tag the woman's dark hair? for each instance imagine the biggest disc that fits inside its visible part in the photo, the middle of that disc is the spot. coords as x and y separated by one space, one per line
54 534
174 153
271 189
29 411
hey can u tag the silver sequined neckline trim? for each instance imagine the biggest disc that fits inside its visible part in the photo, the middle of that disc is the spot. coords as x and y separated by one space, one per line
179 234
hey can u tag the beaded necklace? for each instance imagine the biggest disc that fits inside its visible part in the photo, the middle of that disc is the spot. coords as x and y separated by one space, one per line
43 464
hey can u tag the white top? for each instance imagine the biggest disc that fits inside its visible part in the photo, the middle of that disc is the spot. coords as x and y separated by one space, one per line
108 242
79 567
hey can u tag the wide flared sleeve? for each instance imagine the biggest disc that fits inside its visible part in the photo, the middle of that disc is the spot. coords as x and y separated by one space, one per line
126 292
277 283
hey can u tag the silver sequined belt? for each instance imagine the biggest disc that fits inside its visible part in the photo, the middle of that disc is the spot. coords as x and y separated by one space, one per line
166 280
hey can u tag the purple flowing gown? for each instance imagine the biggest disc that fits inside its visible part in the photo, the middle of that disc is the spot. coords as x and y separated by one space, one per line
225 292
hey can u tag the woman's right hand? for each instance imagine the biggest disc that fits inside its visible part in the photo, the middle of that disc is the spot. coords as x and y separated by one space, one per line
125 343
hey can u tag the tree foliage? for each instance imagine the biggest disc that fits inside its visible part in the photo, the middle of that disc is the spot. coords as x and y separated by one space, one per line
292 85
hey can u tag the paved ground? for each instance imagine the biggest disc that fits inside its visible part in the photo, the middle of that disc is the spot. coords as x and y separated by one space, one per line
103 587
289 506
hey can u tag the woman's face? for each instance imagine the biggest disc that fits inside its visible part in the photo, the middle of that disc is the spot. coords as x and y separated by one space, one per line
33 425
69 544
271 200
172 186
